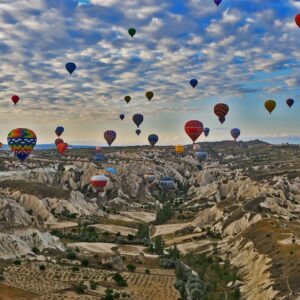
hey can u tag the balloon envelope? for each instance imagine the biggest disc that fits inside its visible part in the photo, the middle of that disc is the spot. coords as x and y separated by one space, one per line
1 145
58 141
122 116
222 119
150 177
167 182
111 170
138 119
206 131
217 2
179 149
221 110
99 182
22 142
196 147
153 139
290 102
201 156
110 136
297 20
193 129
132 31
70 66
62 147
235 133
194 82
59 131
270 105
15 99
149 95
138 131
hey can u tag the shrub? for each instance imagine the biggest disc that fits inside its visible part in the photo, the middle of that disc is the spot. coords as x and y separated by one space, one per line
42 268
85 263
93 285
80 288
17 262
131 268
35 250
72 255
147 271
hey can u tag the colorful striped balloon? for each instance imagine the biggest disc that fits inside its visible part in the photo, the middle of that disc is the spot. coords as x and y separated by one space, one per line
22 142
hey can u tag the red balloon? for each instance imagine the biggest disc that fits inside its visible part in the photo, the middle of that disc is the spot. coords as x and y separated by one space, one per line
15 99
221 110
297 20
62 147
194 129
58 141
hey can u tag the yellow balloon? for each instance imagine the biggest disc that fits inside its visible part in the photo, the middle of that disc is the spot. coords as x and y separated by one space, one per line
270 105
179 149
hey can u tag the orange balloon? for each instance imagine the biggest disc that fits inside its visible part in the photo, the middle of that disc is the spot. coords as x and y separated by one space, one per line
62 147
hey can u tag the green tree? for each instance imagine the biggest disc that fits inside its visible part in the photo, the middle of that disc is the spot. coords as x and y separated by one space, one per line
158 245
131 267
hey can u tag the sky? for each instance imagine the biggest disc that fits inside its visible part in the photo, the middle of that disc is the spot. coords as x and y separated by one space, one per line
242 53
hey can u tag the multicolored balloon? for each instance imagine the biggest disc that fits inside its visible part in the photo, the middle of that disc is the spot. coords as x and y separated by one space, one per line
59 131
127 99
71 67
59 141
15 99
194 82
22 142
196 147
193 129
138 119
98 149
138 131
221 110
149 95
206 131
235 133
153 139
270 105
62 147
110 136
122 116
290 102
132 32
99 182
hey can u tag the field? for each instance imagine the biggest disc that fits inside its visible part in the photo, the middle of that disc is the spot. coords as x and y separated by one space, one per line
168 228
140 216
115 229
12 293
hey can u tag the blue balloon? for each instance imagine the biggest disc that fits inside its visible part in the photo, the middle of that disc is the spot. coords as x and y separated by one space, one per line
138 119
111 170
194 82
153 139
59 130
206 131
122 116
167 182
100 157
235 133
201 155
70 67
217 2
138 131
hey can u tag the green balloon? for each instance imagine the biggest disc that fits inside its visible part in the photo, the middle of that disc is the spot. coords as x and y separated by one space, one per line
149 95
131 32
127 99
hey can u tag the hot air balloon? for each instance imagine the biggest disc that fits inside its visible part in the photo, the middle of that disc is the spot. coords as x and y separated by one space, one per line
290 102
201 155
196 147
99 182
149 95
1 145
127 99
194 82
62 147
122 116
132 32
98 149
221 110
138 119
217 2
179 149
58 141
235 133
111 170
193 129
22 142
70 67
206 131
110 136
297 20
167 182
138 131
270 105
59 131
99 157
15 99
150 177
153 139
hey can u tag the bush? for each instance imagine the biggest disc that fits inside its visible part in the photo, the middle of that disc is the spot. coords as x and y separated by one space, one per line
147 271
93 285
80 288
118 278
116 295
2 278
85 263
17 262
42 268
75 269
72 255
35 250
131 268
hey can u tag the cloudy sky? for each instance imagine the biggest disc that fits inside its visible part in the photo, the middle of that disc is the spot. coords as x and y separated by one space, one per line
242 53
